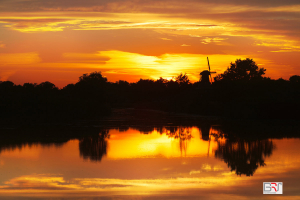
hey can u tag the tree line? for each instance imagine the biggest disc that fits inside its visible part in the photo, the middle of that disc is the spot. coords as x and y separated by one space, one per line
240 92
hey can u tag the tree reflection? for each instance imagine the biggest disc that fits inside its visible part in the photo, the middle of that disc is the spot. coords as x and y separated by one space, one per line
181 133
94 147
244 157
47 136
146 129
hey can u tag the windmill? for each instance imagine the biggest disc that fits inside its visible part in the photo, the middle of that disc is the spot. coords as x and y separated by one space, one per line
206 75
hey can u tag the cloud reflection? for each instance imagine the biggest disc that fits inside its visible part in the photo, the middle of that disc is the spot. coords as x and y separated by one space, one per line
57 184
38 182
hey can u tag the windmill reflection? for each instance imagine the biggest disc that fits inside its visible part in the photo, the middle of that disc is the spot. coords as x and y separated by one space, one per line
94 147
205 130
244 157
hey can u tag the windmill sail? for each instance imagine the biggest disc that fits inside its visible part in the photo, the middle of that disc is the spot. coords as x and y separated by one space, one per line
209 70
208 64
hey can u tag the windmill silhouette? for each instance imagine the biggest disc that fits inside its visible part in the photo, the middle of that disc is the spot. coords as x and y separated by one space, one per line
206 75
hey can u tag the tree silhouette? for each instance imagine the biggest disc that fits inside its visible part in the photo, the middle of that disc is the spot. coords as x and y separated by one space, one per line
122 83
295 79
29 86
47 86
242 70
182 79
94 78
161 83
91 87
6 84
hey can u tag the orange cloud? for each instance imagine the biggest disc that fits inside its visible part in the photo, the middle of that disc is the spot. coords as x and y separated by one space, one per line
19 58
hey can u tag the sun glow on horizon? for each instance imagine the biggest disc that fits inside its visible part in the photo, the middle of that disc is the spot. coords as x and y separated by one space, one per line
115 63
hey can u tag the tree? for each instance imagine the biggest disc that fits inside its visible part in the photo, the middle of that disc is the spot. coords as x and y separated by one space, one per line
46 86
295 79
161 81
182 79
6 84
94 78
242 70
91 87
122 83
29 85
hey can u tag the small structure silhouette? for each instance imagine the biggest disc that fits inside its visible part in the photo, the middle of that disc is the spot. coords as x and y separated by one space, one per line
206 75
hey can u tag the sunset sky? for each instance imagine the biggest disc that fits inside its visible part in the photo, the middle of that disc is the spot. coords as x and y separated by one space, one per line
59 40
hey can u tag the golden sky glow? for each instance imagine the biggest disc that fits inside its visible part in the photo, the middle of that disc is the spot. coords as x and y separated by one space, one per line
58 41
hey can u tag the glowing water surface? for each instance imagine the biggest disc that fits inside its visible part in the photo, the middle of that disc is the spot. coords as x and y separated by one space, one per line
170 163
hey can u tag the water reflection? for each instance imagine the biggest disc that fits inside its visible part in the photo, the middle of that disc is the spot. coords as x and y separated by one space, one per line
241 155
94 147
244 157
166 160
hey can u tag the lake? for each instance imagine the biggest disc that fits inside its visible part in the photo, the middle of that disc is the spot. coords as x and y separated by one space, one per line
148 162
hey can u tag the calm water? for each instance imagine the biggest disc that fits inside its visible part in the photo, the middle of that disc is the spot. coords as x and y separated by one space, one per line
165 163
